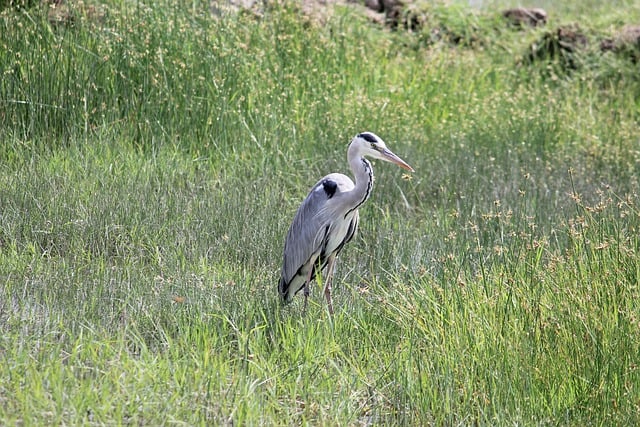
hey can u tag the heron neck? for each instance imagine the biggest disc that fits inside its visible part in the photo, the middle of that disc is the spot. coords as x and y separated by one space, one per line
363 173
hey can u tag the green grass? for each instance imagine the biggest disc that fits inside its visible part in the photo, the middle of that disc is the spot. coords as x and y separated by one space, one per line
152 159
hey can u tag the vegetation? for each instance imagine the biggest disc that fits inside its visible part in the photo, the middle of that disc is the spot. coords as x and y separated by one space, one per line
153 156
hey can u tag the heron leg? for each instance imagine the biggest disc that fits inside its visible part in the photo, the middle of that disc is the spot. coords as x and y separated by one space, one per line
327 286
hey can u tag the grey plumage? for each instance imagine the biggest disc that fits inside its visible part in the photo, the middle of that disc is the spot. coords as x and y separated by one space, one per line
328 218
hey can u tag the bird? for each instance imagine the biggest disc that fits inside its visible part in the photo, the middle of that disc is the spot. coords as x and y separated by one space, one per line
328 219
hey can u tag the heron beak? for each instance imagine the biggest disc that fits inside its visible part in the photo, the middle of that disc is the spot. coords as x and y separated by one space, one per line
390 157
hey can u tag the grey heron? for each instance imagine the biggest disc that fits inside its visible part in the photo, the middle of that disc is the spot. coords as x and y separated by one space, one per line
328 219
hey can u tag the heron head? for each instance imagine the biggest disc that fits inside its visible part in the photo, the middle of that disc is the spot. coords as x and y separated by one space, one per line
371 145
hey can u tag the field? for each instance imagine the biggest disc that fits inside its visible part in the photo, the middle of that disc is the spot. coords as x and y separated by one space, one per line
153 157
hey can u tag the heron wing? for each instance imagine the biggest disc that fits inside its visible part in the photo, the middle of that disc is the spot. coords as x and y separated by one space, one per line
308 232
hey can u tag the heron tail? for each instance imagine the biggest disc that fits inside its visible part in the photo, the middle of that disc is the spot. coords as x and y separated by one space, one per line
283 290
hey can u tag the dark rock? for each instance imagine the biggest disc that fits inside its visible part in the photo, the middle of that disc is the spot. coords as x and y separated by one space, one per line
561 45
393 11
375 5
399 14
522 17
625 42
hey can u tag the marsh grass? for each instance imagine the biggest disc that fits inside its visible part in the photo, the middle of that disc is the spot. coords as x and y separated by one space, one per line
152 161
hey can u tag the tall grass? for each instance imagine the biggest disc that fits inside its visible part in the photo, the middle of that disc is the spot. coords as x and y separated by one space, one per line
152 158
